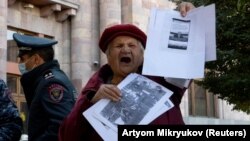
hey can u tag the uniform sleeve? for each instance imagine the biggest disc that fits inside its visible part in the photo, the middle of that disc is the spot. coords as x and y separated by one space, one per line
10 121
57 101
75 127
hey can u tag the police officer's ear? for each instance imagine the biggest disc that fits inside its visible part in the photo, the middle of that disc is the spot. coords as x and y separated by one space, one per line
38 60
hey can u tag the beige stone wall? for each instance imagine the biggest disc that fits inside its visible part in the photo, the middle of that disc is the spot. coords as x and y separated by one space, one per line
3 38
81 44
29 19
140 11
73 1
226 112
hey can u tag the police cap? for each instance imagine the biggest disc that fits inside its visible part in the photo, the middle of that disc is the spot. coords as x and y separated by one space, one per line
28 43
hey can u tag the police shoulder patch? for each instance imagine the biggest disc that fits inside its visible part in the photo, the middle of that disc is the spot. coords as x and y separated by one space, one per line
56 92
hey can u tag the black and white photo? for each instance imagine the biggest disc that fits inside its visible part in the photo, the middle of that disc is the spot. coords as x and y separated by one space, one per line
179 32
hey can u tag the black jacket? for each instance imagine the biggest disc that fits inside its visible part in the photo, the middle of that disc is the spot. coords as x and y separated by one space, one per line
50 97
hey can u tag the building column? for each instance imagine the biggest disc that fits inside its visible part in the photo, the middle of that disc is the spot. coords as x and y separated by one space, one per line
126 11
95 51
110 14
3 38
64 47
81 38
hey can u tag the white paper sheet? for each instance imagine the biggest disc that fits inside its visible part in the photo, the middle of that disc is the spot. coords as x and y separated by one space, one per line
210 32
176 45
208 14
104 131
166 106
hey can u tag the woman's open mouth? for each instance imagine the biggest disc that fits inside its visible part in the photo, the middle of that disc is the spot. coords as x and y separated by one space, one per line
126 60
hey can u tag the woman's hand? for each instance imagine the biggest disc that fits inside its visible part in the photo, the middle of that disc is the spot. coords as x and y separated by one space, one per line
107 91
184 7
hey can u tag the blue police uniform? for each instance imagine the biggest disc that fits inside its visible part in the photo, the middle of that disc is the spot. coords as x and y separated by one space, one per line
10 121
49 92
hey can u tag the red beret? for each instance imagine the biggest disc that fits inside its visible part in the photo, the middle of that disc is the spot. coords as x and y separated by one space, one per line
121 30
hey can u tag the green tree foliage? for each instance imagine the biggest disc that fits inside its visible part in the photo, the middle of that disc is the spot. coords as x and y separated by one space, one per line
229 76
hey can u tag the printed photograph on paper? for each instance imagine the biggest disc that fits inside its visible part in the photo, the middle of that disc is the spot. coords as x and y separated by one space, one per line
179 32
141 98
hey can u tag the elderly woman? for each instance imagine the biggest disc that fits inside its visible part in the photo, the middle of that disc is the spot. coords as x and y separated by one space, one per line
124 46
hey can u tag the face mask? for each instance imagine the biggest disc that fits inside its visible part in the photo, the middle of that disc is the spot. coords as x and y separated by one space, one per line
22 67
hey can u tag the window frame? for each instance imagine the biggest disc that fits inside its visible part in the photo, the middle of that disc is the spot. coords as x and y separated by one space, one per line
209 99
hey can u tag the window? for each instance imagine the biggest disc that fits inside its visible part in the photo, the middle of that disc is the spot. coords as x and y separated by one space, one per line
13 82
201 102
12 49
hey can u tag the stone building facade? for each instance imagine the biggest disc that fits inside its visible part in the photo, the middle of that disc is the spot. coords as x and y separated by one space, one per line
77 25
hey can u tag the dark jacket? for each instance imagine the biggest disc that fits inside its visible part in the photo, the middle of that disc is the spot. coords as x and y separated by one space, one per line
76 128
50 97
10 121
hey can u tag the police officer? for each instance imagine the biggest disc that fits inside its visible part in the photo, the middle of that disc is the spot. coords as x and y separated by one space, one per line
10 121
48 91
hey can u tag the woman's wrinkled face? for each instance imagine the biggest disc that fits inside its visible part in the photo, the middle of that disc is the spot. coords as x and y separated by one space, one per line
125 55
